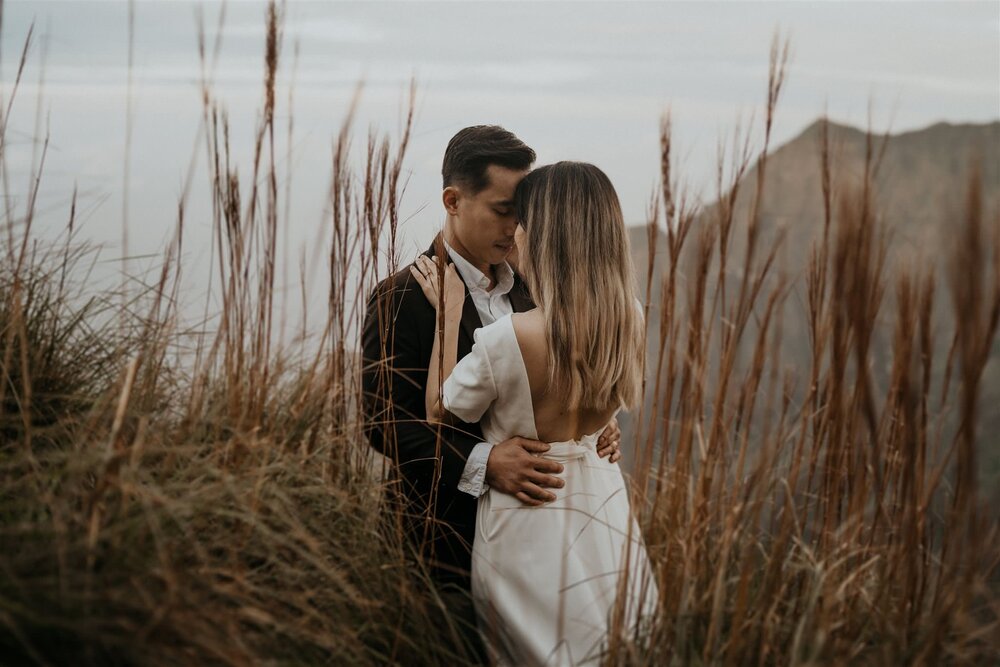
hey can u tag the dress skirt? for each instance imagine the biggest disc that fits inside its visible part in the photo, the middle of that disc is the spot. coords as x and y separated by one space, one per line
550 581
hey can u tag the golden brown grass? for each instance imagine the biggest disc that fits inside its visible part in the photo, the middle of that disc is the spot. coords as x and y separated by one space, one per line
168 504
804 515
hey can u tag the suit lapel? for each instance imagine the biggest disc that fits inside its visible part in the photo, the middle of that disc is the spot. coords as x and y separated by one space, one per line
470 322
520 300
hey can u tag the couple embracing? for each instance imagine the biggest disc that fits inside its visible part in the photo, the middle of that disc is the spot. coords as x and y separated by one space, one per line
494 388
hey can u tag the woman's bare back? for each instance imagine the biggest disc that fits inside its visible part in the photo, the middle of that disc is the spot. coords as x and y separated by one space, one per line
554 421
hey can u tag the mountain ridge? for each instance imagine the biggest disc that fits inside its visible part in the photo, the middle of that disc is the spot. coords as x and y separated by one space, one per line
919 196
919 188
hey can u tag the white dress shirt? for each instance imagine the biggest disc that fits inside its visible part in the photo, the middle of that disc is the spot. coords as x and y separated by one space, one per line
491 306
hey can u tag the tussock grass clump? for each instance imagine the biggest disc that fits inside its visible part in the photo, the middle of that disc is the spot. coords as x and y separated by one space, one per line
65 351
166 556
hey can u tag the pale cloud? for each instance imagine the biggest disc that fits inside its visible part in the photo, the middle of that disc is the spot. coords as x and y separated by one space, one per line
337 31
893 79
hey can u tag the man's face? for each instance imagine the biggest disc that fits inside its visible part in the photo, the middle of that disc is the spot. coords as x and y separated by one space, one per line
481 226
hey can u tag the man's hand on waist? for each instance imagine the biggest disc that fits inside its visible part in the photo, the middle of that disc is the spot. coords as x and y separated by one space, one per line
515 469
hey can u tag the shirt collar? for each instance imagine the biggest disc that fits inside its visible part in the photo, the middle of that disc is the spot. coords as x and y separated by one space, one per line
475 278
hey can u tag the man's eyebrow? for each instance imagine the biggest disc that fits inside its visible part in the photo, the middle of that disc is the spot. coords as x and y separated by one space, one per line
504 202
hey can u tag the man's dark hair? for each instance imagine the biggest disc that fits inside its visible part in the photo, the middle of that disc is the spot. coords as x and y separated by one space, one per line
475 148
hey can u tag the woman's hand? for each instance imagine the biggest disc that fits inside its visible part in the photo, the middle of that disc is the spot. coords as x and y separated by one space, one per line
447 299
609 443
425 272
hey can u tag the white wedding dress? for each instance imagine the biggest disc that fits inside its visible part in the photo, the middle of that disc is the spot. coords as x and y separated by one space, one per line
546 579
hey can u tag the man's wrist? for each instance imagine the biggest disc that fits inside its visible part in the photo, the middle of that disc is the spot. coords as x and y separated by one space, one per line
487 472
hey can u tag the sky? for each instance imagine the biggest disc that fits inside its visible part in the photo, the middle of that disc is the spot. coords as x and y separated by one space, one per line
581 81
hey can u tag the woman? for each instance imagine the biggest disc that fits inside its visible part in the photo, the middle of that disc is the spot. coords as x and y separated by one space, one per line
550 579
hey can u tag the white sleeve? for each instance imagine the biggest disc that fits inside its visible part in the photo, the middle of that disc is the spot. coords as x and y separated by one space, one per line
470 389
473 479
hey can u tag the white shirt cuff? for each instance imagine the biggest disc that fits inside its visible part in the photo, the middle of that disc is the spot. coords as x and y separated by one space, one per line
473 479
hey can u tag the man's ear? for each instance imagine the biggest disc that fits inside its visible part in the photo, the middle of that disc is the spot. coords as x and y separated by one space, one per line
449 197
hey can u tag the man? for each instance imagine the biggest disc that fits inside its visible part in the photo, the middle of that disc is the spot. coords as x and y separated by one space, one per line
443 473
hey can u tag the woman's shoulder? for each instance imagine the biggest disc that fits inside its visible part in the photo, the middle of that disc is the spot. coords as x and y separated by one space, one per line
496 339
528 325
529 334
494 331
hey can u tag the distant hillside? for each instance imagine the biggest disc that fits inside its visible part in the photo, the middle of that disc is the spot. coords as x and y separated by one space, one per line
920 191
920 185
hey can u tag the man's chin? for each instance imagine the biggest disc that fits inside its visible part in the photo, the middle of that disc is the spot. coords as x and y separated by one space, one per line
500 255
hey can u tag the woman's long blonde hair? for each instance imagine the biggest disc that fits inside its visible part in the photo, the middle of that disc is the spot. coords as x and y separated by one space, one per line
578 267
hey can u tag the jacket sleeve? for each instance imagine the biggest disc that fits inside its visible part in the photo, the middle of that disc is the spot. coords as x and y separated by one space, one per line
394 375
471 387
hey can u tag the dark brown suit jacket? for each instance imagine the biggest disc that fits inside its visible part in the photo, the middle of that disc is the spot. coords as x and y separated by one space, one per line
396 347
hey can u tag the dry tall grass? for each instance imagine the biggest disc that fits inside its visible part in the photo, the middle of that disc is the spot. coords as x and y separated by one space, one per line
163 503
806 515
170 502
